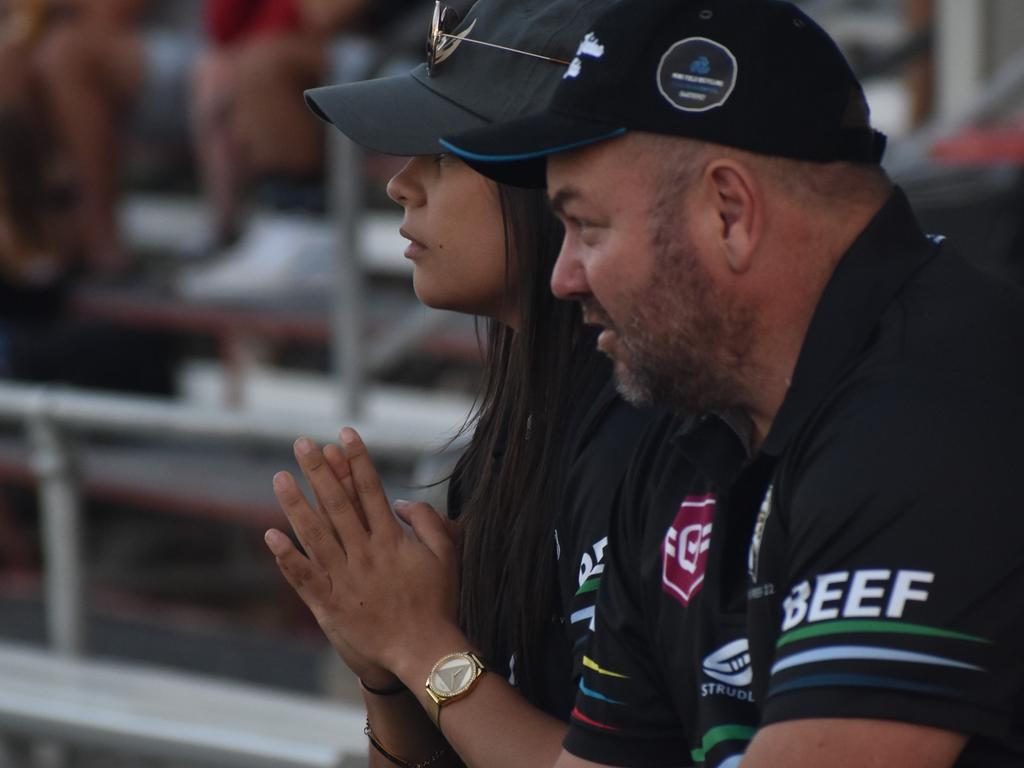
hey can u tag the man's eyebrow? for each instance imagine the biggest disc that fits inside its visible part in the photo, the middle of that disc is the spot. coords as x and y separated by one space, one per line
563 197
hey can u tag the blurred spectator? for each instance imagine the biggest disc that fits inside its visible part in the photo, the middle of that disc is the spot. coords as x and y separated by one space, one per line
92 69
86 69
34 255
31 253
38 340
54 56
249 117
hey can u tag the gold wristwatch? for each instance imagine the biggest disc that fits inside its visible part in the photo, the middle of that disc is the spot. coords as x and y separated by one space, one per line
452 678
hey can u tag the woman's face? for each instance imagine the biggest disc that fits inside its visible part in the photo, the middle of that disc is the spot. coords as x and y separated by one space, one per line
457 243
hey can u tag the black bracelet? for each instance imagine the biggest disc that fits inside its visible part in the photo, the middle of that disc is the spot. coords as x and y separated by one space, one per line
400 688
395 759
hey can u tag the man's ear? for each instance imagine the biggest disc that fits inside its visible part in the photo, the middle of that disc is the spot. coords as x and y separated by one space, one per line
737 202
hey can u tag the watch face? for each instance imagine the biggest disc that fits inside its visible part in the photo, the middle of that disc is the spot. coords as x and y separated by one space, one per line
453 675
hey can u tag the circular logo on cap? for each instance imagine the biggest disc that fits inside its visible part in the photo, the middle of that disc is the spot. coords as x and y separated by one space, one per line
697 74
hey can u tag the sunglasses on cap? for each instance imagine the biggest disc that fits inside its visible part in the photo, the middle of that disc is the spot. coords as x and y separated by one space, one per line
442 40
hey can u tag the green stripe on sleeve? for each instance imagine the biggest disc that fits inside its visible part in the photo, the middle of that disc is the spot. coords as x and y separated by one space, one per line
840 626
590 585
717 735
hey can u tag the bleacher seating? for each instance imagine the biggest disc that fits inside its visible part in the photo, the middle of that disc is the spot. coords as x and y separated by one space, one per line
155 713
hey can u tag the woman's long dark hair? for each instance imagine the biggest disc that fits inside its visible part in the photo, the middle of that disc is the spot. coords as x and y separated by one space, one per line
509 481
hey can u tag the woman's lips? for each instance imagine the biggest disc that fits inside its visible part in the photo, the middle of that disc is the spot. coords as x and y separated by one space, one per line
415 247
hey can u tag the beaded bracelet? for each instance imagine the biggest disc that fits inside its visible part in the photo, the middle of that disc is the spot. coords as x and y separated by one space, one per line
395 759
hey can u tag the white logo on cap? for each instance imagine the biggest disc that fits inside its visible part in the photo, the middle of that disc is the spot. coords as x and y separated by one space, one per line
589 46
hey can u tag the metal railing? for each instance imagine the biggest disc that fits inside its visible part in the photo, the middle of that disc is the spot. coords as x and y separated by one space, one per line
55 417
348 355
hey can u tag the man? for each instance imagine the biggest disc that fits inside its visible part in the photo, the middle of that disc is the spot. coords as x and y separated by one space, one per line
729 227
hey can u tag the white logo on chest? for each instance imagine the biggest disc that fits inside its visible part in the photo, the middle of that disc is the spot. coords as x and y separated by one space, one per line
754 554
864 594
730 664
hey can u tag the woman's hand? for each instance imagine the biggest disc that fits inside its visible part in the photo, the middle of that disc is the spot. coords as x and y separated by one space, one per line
375 591
313 584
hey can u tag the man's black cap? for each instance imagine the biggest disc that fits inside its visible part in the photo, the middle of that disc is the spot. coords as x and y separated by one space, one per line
757 75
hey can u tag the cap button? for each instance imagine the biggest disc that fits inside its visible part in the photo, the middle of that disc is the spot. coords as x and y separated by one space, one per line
706 14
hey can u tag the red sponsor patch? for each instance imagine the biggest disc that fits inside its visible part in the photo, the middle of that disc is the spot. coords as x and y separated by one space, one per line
684 553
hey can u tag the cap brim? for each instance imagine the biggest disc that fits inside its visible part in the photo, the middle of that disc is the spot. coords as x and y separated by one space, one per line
396 115
516 152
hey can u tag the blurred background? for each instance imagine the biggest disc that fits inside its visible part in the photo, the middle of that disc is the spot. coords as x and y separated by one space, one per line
193 271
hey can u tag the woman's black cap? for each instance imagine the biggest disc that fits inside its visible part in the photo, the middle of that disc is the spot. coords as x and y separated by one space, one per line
407 114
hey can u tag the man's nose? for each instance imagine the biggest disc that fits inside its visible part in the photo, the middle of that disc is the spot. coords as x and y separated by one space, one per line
568 279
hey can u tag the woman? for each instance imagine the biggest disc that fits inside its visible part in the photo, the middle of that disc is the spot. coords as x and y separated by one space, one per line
533 491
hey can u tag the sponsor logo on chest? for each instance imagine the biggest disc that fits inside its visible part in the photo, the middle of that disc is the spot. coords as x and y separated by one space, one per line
591 568
684 552
731 670
864 594
591 564
754 553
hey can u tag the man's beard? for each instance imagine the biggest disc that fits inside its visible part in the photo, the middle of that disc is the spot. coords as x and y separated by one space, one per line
684 345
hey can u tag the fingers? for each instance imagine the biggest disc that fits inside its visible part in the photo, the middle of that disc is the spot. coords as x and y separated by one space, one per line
332 497
339 464
367 483
311 528
429 527
310 581
452 529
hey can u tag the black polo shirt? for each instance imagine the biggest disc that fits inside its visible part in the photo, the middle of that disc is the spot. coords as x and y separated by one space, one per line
654 692
602 431
879 533
606 431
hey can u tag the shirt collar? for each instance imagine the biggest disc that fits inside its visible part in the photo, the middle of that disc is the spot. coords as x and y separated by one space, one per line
866 280
712 444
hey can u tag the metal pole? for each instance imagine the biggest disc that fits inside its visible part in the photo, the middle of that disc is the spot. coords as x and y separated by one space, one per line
59 503
920 73
960 55
348 309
